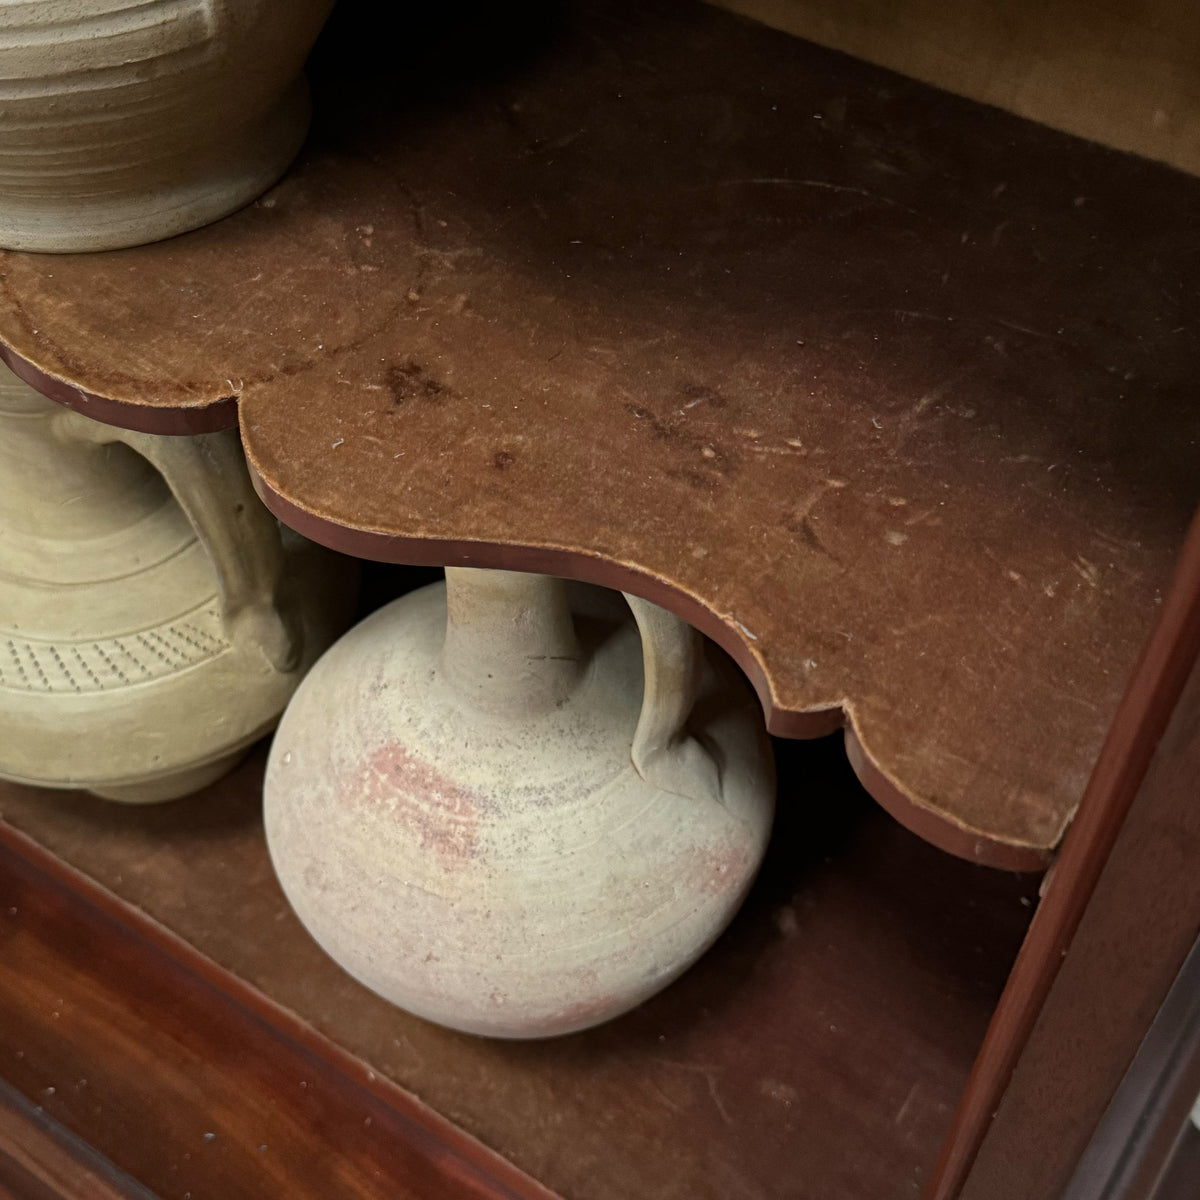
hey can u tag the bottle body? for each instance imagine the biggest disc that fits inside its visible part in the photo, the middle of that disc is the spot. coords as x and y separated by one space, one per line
503 868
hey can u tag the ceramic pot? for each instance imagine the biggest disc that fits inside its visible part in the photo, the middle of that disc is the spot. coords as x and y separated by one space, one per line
153 623
526 816
126 121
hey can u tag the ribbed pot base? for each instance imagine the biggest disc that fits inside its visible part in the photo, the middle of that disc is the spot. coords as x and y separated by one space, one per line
173 786
207 190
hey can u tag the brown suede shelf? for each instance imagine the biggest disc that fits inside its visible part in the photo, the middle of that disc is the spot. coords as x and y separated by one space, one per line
891 394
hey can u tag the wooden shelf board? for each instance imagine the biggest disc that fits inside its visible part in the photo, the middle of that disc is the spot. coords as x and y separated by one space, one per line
891 393
816 1052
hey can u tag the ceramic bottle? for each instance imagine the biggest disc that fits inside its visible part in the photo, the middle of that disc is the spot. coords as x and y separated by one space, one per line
153 621
126 121
508 808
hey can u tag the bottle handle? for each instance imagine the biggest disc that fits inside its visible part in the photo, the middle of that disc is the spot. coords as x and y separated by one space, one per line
664 753
207 476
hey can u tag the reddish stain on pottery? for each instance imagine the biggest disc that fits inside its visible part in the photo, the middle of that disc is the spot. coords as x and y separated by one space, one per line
439 814
580 1015
718 869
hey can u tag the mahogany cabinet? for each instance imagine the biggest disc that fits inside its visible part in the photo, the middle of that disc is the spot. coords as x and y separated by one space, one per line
889 393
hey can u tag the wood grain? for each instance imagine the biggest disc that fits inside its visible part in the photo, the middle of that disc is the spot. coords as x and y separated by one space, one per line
190 1082
890 393
40 1160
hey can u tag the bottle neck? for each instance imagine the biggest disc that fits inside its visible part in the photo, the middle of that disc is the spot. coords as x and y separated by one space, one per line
510 642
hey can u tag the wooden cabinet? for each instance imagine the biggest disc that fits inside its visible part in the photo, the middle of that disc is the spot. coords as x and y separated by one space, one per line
889 393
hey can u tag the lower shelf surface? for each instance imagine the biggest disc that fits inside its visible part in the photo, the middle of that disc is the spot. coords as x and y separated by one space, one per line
815 1053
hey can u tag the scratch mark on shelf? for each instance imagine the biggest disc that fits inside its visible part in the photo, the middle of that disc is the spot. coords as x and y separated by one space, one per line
1037 333
710 1077
922 405
823 184
912 1092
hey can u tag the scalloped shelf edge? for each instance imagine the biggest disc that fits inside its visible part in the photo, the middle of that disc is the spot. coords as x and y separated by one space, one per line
939 829
212 417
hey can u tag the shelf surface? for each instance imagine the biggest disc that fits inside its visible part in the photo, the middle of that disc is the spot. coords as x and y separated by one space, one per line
815 1053
890 393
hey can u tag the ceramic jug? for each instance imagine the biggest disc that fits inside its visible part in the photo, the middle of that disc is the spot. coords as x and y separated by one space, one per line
153 623
508 808
126 121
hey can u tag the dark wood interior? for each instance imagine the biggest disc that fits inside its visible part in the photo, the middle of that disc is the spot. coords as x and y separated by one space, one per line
1118 74
1121 909
1140 920
890 393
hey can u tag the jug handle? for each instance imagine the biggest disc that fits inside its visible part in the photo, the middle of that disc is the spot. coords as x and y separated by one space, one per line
207 476
664 753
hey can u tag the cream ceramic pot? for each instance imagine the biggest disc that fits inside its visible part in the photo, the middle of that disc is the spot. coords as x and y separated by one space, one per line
525 817
126 121
152 622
